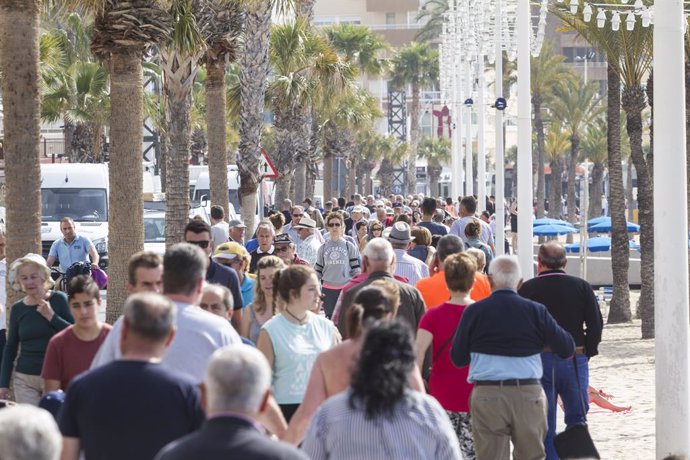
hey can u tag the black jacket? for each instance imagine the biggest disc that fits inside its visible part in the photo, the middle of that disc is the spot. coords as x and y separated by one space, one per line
411 309
228 437
572 303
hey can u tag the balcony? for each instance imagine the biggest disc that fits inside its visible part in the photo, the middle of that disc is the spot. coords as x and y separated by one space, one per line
387 6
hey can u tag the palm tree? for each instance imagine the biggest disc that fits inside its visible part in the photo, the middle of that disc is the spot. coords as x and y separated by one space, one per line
180 60
79 95
595 148
19 58
630 54
436 151
415 65
307 70
576 105
220 25
433 13
393 152
354 112
548 71
124 31
362 49
253 74
556 145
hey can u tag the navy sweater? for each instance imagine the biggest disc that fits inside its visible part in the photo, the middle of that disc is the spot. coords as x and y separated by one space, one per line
506 324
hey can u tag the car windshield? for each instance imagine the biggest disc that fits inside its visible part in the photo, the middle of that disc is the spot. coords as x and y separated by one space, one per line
154 229
82 205
233 196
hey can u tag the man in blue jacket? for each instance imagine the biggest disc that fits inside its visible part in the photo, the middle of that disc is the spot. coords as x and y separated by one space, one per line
501 338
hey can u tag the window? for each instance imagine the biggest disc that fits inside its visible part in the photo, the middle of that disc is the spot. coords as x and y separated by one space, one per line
390 18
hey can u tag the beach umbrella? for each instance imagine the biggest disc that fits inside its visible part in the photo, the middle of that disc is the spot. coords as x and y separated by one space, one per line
550 221
605 227
553 230
597 244
598 220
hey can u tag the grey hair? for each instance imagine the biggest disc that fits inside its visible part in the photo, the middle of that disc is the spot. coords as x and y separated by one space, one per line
222 292
266 225
28 433
379 250
237 378
505 272
150 316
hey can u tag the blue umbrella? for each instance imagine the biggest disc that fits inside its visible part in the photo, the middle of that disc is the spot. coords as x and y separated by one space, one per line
597 244
598 220
550 221
605 227
552 230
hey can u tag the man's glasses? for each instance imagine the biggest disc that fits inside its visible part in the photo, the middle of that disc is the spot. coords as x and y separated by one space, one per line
334 224
202 244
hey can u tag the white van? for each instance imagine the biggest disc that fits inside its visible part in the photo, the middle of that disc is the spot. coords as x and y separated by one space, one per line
79 191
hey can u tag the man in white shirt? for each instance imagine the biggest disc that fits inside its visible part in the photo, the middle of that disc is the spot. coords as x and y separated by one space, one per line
219 228
198 333
410 267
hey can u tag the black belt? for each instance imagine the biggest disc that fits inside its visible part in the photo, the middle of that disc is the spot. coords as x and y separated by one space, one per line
508 383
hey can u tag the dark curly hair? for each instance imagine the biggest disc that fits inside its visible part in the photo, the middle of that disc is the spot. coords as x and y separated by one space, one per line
381 375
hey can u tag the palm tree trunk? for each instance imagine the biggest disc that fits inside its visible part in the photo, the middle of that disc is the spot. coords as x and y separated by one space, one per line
327 173
596 192
69 132
253 72
414 140
19 32
386 172
300 180
215 125
352 175
177 188
126 206
539 128
634 103
629 188
619 309
82 143
555 208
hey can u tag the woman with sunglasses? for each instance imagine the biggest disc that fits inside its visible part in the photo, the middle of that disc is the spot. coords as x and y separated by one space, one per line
337 261
293 339
263 307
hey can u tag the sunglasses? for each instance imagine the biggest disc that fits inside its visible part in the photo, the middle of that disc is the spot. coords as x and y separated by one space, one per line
282 249
334 224
202 244
297 215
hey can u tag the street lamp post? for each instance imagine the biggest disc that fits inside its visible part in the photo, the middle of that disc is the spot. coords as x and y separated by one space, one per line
584 205
588 56
672 349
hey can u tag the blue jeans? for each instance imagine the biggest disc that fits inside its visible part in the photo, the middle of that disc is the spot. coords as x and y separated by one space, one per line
559 380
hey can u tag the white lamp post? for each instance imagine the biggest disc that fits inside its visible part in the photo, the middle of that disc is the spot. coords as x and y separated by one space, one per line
672 350
500 167
524 173
584 205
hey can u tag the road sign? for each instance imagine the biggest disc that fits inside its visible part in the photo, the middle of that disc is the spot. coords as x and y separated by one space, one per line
266 166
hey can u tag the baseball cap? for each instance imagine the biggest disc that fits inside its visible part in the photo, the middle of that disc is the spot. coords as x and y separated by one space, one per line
229 251
281 239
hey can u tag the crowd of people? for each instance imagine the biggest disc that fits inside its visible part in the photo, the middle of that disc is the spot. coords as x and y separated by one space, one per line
367 329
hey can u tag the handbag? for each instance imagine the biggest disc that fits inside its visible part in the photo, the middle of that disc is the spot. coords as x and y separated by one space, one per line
576 442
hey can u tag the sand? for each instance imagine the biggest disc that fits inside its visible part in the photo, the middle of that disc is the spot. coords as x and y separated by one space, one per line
624 368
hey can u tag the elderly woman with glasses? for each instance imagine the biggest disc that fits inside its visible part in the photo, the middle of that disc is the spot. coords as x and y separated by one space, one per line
34 320
337 261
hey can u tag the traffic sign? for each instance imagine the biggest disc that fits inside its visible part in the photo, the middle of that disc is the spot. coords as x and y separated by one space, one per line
266 166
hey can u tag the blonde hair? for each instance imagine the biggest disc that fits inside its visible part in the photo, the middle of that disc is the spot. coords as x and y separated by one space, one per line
30 259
